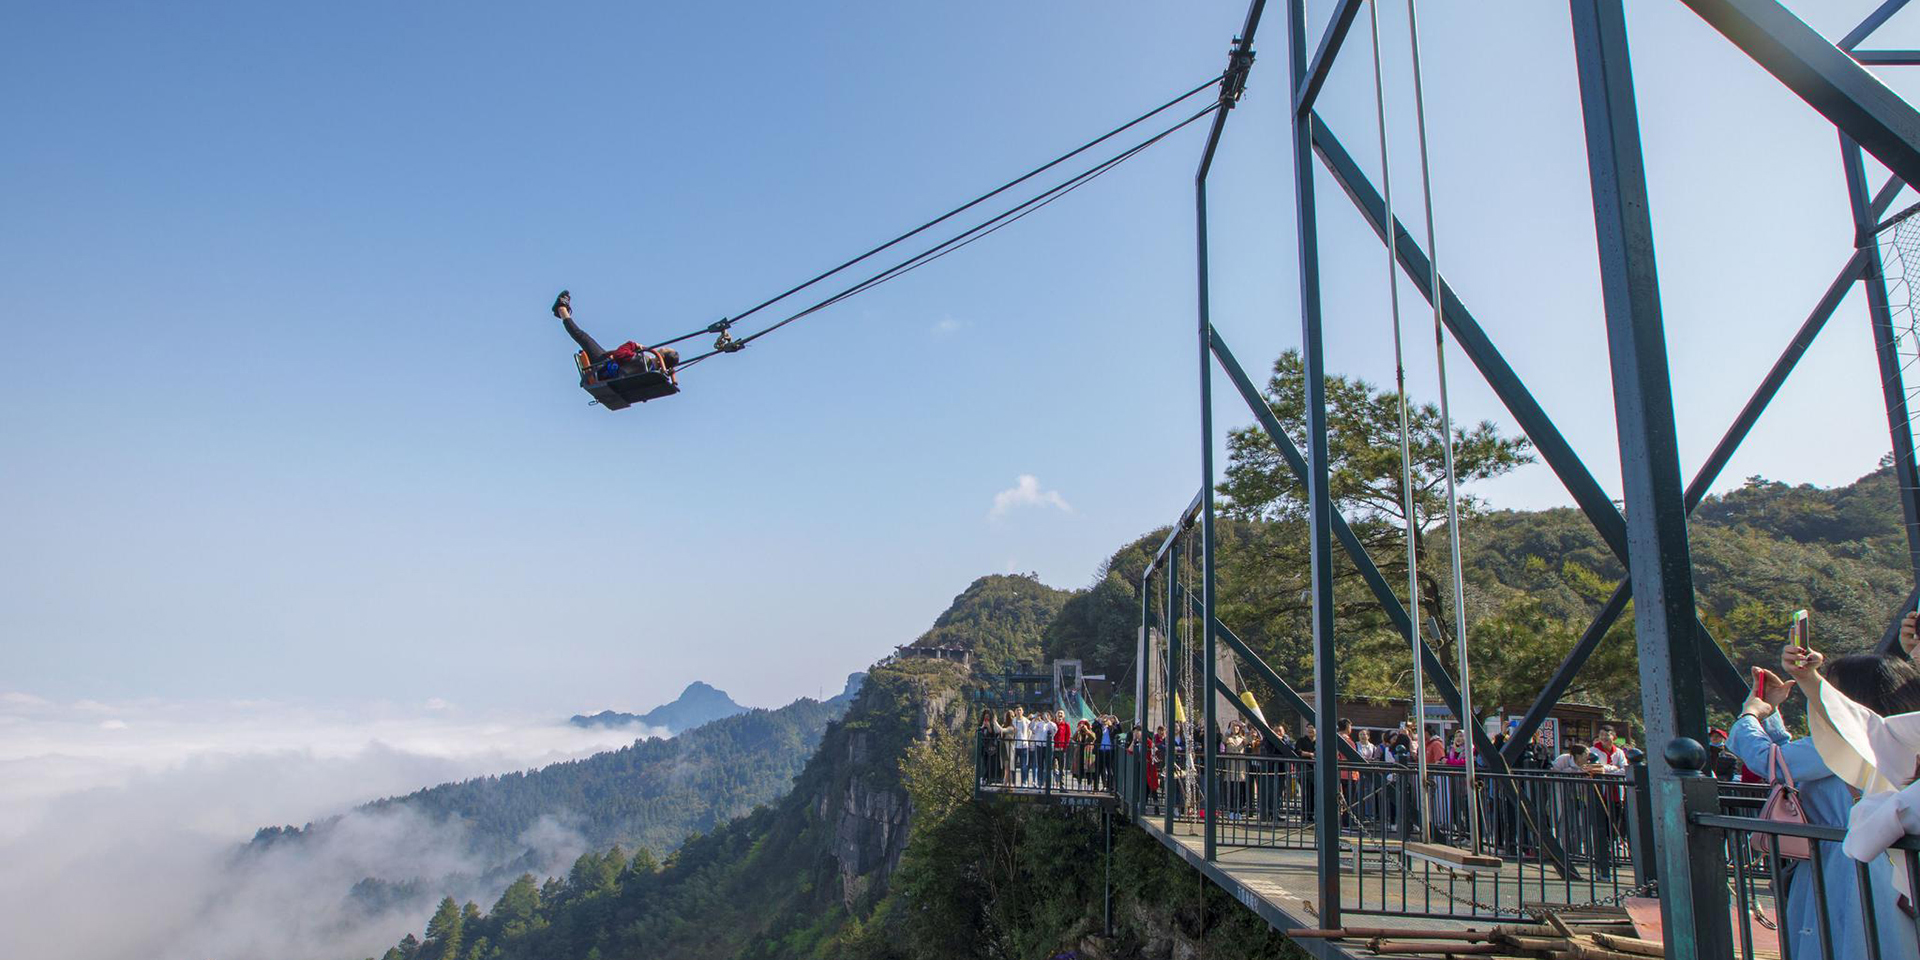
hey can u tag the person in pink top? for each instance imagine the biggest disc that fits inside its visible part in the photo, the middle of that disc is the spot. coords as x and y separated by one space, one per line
1062 732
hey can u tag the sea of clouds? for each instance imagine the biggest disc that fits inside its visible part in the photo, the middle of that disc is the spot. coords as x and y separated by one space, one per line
121 823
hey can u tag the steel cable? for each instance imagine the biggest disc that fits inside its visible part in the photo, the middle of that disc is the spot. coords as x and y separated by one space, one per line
968 236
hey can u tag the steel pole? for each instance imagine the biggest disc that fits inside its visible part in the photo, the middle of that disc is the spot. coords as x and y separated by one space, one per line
1693 893
1326 692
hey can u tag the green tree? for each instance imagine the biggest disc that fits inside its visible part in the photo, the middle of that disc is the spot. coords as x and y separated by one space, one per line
1364 482
443 931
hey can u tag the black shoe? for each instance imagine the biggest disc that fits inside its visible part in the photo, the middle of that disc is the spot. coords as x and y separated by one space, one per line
563 305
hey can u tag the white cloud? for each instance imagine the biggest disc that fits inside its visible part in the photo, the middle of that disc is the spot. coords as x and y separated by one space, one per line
946 327
147 813
435 703
1026 492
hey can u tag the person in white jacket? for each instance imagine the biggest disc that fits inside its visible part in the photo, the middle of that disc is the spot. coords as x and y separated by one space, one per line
1873 746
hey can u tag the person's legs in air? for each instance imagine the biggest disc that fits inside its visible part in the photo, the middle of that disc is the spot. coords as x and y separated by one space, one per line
563 308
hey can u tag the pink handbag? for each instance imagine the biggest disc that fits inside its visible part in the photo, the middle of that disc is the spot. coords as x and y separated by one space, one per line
1782 806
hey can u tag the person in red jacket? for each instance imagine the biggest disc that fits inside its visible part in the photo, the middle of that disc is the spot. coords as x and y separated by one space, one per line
1062 733
666 357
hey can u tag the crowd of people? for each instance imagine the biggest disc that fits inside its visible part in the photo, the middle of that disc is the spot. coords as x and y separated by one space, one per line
1858 767
1046 750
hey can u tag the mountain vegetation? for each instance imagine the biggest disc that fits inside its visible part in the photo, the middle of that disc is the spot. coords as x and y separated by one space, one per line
881 851
647 797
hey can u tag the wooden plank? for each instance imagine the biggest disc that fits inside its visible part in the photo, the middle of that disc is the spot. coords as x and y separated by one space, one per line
1453 857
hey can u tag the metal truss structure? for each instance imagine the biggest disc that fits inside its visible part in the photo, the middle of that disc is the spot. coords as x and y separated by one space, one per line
1681 666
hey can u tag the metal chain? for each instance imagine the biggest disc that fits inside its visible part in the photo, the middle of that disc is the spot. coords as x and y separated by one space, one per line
1613 900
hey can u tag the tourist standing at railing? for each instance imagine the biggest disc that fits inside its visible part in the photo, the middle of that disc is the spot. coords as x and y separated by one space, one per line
1396 753
1022 746
1349 777
1827 801
1233 770
1062 736
1104 765
1045 732
1177 759
1534 758
1281 783
1304 747
1156 746
1370 753
1004 739
989 749
1083 753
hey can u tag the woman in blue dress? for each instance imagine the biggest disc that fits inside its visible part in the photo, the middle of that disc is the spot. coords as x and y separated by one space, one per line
1826 799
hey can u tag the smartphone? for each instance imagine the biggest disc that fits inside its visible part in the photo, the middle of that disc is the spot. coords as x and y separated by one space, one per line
1760 687
1801 632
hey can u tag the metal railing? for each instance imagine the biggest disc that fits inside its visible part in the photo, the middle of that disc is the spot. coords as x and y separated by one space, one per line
1559 840
1833 904
1038 766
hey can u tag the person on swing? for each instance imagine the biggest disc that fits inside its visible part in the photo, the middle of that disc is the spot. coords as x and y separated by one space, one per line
619 357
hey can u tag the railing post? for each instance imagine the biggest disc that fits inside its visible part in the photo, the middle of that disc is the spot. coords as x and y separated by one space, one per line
1640 826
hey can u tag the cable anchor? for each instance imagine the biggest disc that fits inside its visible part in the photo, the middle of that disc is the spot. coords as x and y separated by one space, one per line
725 343
1239 63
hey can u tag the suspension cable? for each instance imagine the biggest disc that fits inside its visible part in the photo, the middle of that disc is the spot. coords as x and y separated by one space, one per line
1406 442
1446 431
969 236
956 211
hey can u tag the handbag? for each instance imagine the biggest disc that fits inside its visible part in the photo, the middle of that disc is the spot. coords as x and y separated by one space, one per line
1782 806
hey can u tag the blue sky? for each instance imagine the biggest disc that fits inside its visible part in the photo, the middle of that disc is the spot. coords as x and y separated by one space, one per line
285 416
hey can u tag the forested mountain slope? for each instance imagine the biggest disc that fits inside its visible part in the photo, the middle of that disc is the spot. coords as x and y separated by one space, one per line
879 851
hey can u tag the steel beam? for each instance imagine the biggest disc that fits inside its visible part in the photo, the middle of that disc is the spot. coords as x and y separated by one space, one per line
1175 656
1693 900
1330 42
1872 22
1209 789
1559 455
1886 58
1884 198
1184 521
1326 678
1893 390
1703 480
1844 92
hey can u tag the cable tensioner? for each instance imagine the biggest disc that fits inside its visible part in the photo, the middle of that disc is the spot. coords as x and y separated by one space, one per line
1239 63
725 343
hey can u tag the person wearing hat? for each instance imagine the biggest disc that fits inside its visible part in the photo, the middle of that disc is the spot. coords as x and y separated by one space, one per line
1760 735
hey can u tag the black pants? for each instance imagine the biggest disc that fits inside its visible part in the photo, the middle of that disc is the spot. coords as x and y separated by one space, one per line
586 342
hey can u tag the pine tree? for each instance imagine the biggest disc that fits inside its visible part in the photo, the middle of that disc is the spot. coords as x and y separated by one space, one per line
520 901
443 931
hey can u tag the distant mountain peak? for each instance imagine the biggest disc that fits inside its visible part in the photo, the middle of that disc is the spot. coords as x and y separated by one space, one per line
699 703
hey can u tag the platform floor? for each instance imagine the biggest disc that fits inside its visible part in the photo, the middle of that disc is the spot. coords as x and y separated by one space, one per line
1282 886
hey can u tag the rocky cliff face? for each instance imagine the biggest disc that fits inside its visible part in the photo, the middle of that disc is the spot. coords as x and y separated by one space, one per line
868 809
